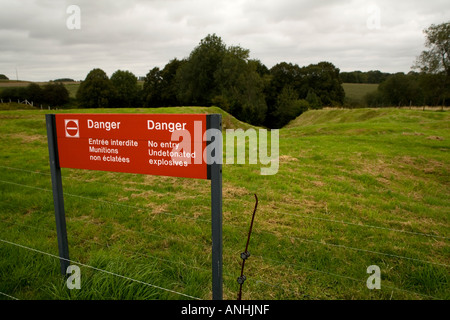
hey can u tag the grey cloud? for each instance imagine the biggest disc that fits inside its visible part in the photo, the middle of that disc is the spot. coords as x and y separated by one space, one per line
138 35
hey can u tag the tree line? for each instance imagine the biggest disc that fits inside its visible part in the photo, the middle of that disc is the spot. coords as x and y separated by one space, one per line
224 76
215 74
412 89
52 93
372 77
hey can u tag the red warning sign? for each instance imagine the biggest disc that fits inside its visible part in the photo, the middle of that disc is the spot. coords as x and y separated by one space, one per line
157 144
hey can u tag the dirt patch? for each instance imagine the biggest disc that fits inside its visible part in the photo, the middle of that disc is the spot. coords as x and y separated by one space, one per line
307 205
318 183
157 208
28 138
413 134
146 194
231 191
286 158
383 180
88 219
435 138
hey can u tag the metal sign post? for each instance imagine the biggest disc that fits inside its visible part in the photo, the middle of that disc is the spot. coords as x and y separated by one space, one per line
216 210
58 198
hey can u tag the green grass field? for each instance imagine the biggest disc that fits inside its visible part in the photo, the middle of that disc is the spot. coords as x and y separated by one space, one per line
355 188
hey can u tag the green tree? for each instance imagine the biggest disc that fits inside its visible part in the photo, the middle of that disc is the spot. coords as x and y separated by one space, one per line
401 90
374 99
319 84
434 92
55 94
281 75
261 69
151 92
15 93
436 60
126 89
96 90
195 78
160 86
373 76
376 76
168 88
313 100
287 107
323 78
224 76
34 93
239 86
3 77
64 80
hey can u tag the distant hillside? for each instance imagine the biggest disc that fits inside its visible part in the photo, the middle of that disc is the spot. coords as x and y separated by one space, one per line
228 121
314 117
369 121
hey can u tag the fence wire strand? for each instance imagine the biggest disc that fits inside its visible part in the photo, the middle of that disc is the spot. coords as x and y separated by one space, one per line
281 213
8 296
100 270
257 281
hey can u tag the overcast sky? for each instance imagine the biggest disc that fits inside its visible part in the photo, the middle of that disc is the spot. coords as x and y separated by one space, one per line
38 39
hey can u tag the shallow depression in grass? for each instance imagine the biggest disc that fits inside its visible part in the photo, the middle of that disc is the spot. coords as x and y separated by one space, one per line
354 188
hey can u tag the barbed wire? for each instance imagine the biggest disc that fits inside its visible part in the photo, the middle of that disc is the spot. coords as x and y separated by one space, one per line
281 213
104 201
260 232
9 296
365 225
230 275
351 248
98 269
338 275
257 232
205 220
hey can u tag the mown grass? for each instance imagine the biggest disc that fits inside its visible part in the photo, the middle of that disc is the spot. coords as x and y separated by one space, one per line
355 188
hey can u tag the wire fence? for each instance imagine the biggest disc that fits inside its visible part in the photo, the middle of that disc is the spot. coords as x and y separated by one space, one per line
278 231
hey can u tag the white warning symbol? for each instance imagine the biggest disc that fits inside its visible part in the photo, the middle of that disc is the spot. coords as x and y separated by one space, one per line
72 128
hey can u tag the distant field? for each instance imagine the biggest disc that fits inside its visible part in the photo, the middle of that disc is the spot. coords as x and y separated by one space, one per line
72 87
356 91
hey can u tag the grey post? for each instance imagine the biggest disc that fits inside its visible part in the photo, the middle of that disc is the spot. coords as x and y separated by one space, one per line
215 121
58 199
